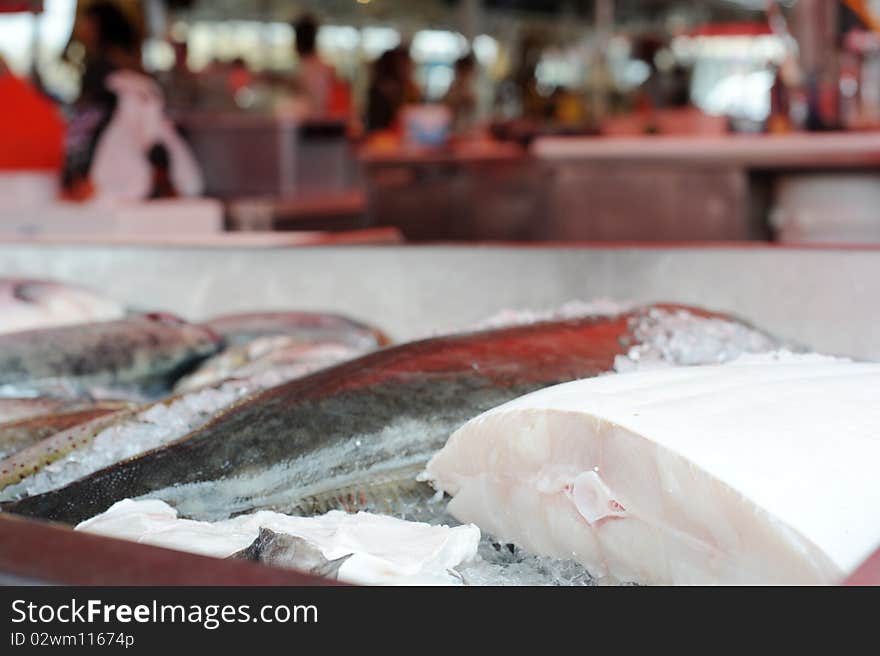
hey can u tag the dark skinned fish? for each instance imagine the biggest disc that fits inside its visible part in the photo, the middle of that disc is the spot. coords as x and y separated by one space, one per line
135 430
198 398
22 433
290 552
360 420
304 327
148 352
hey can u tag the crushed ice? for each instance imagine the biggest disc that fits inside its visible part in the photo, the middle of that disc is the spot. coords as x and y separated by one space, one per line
679 338
157 425
507 318
599 307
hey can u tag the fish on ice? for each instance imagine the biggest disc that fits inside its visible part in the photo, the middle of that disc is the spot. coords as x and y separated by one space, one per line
379 416
149 351
79 448
22 433
277 359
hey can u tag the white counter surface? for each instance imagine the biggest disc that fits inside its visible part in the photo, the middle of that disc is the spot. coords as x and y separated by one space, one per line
815 150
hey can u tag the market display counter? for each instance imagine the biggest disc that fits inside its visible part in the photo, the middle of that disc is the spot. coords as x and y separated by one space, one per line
652 188
705 188
187 216
824 299
483 191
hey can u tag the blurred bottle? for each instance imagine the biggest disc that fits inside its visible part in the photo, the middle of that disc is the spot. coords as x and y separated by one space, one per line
848 86
779 121
789 99
860 80
160 162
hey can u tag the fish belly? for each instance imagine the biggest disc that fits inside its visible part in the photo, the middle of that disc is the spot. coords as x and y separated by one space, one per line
759 471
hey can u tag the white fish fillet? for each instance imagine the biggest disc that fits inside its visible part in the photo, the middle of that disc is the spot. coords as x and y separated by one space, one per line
759 471
33 304
385 550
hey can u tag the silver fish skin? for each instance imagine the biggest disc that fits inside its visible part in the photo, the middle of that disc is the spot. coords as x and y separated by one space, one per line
27 304
150 351
282 358
303 327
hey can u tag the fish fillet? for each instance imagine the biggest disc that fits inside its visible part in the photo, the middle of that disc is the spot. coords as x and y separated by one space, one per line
759 471
380 550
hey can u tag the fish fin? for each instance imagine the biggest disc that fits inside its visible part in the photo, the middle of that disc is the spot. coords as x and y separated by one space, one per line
388 494
254 552
330 569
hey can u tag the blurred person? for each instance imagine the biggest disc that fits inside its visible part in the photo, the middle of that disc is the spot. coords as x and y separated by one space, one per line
386 95
325 94
391 87
31 128
179 82
666 88
111 43
461 98
118 120
663 103
518 95
405 71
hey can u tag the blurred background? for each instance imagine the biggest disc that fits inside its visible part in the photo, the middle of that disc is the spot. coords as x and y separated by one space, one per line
441 120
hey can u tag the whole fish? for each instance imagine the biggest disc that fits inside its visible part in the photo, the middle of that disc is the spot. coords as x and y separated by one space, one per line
30 304
304 327
129 433
22 433
283 357
149 351
384 412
